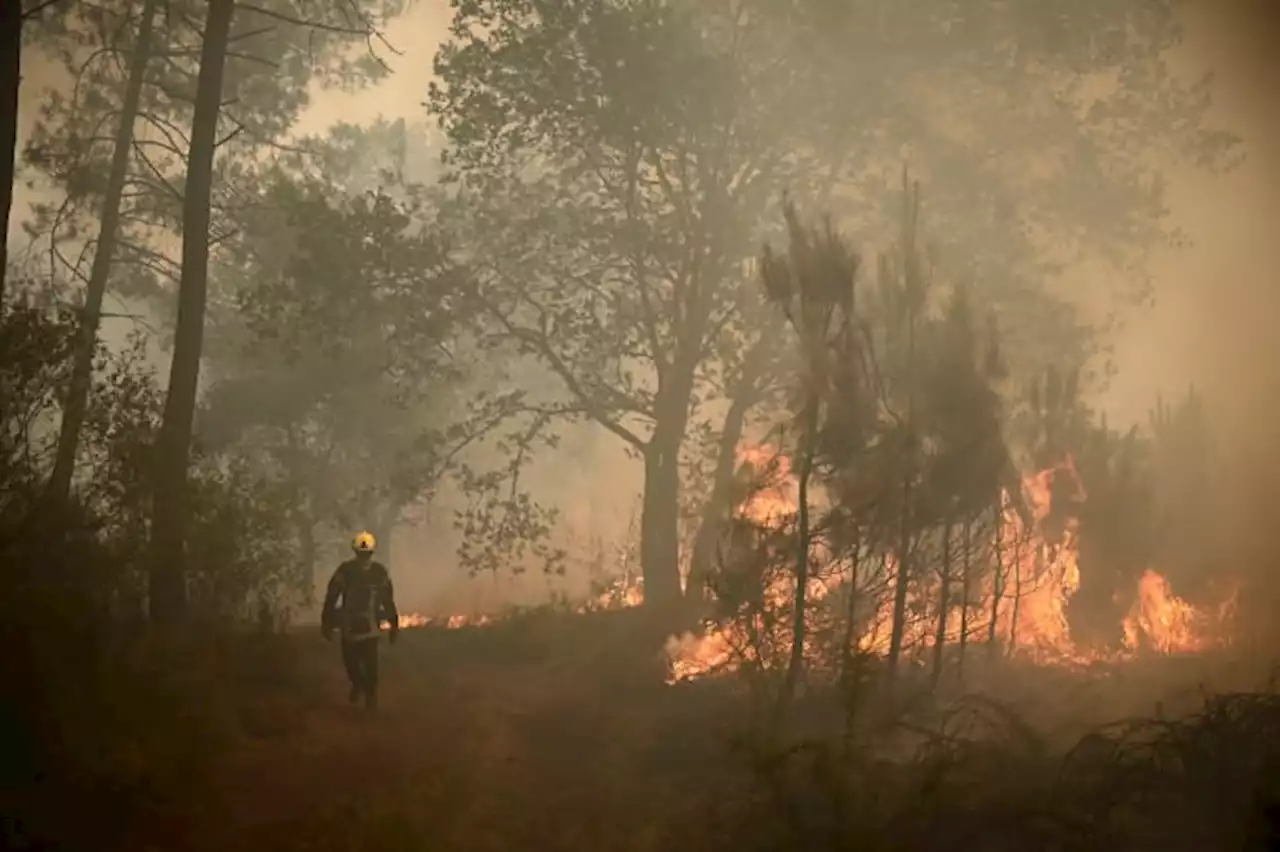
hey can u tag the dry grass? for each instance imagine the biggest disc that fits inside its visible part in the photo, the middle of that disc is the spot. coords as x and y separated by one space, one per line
554 732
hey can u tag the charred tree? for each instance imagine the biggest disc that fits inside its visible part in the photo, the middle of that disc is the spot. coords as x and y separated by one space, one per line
813 286
998 579
719 503
660 509
944 601
173 446
966 590
73 411
913 295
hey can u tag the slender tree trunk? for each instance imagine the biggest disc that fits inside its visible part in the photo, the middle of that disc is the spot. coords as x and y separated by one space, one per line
902 581
795 666
944 602
718 508
913 286
10 81
850 656
173 446
1017 594
966 589
997 591
73 411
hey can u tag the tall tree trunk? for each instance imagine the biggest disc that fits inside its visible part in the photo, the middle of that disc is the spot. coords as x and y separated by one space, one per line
660 521
73 411
850 656
944 602
660 509
718 508
795 666
966 589
1017 594
913 292
10 81
993 639
173 446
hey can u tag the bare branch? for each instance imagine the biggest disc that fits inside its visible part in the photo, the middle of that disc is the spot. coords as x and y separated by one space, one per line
38 8
300 22
239 128
156 173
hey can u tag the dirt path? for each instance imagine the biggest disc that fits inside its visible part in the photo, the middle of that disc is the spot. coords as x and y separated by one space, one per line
465 753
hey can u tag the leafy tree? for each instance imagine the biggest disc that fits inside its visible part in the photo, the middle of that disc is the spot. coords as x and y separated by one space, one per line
1041 132
813 286
278 35
343 374
276 50
386 156
73 410
968 465
167 592
616 161
18 19
1116 531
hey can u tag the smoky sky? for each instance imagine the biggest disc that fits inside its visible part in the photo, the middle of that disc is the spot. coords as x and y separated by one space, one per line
1217 302
1213 322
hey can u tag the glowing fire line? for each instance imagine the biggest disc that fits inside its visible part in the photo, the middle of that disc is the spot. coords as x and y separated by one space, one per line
1039 579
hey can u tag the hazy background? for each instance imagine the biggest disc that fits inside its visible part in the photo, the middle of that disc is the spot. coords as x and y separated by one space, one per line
1213 322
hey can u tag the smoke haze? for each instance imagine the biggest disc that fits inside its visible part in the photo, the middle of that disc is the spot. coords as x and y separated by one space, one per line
1211 324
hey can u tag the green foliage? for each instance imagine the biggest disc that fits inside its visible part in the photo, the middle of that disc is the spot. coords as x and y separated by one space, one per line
92 702
385 156
279 49
242 550
337 360
614 175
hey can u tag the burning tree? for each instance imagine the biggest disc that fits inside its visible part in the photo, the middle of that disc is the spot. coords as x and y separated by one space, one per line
892 520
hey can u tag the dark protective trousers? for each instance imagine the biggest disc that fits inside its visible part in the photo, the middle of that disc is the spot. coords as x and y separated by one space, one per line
360 659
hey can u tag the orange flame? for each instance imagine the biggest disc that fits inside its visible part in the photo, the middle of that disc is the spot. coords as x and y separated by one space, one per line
413 620
1037 578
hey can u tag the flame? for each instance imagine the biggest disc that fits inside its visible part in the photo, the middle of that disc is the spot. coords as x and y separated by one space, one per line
1039 575
1161 621
622 592
412 620
1029 599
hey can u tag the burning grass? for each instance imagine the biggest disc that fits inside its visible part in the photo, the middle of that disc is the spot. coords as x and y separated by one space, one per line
1008 585
554 730
484 744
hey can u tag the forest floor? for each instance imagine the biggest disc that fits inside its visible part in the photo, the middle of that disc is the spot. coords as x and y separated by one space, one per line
520 736
550 732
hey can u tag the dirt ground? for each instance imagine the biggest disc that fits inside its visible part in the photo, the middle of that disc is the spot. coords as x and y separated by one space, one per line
523 736
550 733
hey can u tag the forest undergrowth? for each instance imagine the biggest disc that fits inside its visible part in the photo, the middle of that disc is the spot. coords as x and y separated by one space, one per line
556 730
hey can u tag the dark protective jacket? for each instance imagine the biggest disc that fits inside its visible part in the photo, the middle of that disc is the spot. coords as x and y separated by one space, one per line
360 595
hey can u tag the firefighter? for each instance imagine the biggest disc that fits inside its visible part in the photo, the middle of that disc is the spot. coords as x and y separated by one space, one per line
360 596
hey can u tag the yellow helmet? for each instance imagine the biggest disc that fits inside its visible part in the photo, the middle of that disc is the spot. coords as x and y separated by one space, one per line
364 543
